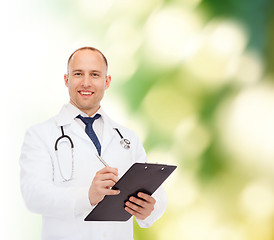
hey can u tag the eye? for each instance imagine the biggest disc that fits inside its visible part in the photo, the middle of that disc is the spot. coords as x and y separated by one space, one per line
95 75
77 74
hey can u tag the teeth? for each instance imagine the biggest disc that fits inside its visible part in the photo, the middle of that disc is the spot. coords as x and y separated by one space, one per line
86 93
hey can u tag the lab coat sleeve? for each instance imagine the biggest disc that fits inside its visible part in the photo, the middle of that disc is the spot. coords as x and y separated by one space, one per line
39 192
159 195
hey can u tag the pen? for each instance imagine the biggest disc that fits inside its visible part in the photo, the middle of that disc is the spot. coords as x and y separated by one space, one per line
102 160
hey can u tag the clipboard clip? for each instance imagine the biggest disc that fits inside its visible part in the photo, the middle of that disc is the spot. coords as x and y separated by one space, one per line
162 168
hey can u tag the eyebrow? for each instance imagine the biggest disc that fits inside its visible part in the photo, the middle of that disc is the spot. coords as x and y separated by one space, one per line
80 70
77 70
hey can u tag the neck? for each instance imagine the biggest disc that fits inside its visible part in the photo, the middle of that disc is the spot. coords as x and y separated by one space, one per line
89 111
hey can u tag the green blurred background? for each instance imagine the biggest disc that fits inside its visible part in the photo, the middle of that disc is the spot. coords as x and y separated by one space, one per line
194 79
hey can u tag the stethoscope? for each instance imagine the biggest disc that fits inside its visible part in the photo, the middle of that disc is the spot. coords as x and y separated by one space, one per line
125 143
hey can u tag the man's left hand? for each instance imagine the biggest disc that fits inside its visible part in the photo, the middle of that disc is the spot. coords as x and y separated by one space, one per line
145 205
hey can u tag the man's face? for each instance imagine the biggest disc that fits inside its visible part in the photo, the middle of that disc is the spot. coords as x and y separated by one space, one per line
87 80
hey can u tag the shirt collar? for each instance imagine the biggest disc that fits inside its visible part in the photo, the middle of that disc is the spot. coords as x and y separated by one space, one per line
74 111
69 112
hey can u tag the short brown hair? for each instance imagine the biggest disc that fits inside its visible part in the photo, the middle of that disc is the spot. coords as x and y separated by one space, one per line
87 48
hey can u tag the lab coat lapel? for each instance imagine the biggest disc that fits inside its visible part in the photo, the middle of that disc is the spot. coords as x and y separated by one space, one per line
108 134
77 130
65 118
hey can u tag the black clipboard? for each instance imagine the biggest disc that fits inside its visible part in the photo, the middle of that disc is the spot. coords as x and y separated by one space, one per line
140 177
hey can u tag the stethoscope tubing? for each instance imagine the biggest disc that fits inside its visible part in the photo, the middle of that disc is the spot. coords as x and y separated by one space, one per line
124 142
63 136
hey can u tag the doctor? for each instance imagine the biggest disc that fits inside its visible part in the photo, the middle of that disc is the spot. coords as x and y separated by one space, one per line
65 185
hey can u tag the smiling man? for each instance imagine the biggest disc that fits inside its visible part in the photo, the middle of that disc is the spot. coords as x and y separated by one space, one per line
64 185
87 79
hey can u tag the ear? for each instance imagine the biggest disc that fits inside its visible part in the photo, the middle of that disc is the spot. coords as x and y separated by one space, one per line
108 80
66 79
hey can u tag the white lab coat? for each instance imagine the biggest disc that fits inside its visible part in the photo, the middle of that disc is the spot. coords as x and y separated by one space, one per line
64 205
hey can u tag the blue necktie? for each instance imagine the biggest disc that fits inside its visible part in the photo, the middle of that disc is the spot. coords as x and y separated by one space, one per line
90 132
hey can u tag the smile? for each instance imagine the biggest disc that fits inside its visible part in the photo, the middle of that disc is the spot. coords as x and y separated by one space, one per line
86 93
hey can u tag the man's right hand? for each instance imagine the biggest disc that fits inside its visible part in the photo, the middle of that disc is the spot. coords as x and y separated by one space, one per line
102 183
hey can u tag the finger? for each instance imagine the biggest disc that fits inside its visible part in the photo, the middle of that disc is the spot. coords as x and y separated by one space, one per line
146 197
109 176
134 213
107 184
108 170
138 201
110 192
134 207
106 176
137 211
99 185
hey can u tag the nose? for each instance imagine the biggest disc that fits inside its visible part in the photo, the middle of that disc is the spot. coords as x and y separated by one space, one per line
86 81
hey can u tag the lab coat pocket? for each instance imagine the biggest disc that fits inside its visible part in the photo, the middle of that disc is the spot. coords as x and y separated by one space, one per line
63 162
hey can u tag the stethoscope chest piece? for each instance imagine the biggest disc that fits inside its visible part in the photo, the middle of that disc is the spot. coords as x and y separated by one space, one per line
125 143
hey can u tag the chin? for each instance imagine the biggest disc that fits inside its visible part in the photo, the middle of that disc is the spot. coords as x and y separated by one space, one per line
88 107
